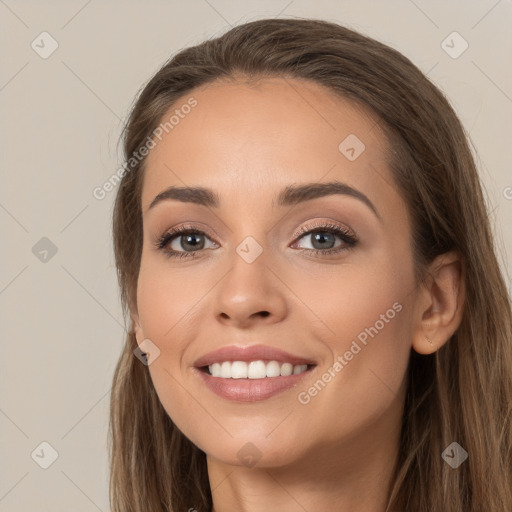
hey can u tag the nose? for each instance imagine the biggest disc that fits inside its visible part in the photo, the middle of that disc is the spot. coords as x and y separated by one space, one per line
250 293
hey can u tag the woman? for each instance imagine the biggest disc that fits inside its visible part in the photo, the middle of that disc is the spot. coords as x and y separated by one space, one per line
273 373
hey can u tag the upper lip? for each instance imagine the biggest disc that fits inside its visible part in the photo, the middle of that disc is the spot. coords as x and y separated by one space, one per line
250 353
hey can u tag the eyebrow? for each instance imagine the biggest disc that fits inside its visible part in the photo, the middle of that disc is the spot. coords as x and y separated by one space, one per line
289 196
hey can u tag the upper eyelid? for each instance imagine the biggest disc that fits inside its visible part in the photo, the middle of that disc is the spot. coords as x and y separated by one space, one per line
179 230
327 225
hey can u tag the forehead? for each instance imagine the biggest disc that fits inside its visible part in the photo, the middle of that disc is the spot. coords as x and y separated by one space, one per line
253 139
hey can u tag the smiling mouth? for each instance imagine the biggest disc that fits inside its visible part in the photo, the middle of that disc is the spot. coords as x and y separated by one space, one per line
257 369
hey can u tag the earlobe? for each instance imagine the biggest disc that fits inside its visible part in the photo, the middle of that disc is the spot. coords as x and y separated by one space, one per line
441 304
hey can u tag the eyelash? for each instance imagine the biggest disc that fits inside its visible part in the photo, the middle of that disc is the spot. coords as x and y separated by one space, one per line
346 235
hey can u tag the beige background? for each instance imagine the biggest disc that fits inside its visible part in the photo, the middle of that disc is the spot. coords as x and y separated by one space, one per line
61 324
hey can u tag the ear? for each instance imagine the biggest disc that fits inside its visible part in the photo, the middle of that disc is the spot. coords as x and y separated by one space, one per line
440 303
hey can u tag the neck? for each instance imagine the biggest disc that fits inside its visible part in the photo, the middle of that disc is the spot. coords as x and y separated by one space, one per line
353 475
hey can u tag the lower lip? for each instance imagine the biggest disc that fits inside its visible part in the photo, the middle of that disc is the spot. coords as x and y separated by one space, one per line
251 390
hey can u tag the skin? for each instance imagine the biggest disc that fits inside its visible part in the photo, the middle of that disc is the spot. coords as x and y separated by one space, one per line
247 142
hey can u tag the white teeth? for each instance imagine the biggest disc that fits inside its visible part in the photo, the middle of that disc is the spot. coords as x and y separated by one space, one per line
225 370
286 369
215 369
273 369
254 369
238 370
299 368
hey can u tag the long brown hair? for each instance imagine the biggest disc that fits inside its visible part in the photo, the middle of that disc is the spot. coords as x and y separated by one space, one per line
462 393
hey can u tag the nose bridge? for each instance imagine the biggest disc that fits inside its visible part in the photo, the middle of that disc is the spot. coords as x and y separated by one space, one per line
250 229
249 270
251 249
250 286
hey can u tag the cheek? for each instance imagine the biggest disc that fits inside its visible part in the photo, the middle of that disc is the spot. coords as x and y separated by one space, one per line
357 299
366 321
168 306
165 301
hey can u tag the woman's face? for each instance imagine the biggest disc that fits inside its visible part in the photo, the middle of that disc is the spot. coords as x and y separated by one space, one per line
340 302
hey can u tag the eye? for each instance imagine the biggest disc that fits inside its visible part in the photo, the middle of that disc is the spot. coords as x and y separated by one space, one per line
182 242
187 241
323 239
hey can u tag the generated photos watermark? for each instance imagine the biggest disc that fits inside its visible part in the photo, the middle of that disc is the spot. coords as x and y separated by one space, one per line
304 397
109 185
